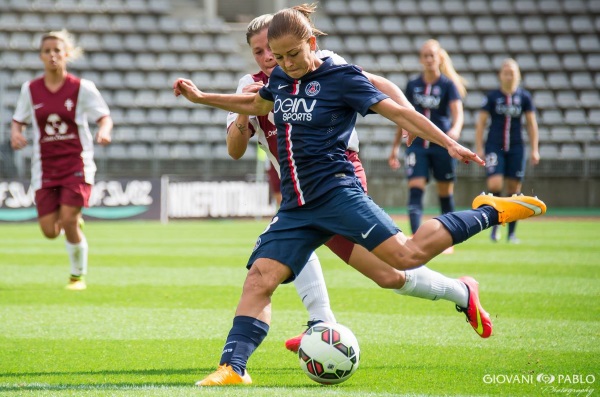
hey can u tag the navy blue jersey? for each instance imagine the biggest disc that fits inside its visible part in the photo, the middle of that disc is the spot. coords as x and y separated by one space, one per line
315 117
505 113
433 101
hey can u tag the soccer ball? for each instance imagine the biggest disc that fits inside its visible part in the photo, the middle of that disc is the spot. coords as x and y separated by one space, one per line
329 353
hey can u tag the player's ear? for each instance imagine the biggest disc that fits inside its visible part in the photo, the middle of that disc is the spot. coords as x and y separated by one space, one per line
312 42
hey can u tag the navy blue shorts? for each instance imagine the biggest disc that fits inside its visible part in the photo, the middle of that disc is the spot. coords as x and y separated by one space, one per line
294 234
511 164
419 161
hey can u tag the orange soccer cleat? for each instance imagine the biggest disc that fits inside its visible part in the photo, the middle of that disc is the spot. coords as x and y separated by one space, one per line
512 208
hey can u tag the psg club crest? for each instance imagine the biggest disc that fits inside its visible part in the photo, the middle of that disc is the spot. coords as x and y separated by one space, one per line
313 88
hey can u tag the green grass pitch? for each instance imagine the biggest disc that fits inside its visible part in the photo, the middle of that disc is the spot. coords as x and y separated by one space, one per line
161 298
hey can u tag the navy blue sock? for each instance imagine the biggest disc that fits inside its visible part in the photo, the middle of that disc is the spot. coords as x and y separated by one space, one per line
447 204
511 228
415 208
245 336
495 229
465 224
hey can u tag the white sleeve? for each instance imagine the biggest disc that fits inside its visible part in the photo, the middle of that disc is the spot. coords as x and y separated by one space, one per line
244 81
24 110
92 102
337 60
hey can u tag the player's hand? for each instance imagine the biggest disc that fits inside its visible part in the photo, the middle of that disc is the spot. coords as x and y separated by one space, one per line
409 136
253 88
188 89
17 141
461 153
103 137
535 157
393 161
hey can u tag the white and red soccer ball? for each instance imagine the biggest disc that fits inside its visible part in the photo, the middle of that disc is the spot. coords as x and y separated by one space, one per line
329 353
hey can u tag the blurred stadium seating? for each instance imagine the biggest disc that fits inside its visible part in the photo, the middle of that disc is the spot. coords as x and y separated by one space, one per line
136 48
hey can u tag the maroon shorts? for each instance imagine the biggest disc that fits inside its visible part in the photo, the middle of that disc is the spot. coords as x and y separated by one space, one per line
339 245
47 200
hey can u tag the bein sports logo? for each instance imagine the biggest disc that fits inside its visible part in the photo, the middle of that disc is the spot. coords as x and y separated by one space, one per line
427 101
296 109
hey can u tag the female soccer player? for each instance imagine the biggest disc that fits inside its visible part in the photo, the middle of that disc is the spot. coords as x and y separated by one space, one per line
310 284
315 104
436 94
504 149
59 105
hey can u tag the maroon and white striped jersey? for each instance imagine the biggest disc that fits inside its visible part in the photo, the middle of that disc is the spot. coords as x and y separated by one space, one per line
63 151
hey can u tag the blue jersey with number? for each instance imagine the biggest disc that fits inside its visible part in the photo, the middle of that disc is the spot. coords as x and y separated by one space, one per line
314 117
433 101
505 113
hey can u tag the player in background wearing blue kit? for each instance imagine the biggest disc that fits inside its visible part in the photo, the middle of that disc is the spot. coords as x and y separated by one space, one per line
315 104
310 284
436 94
504 149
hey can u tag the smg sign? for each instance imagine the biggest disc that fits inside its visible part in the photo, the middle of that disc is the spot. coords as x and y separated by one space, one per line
113 199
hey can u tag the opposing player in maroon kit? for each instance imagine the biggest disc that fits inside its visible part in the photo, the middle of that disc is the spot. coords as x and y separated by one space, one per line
58 105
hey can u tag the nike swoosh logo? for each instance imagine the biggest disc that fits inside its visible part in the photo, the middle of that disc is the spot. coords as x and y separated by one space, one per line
282 86
39 105
536 210
478 221
365 235
304 297
479 323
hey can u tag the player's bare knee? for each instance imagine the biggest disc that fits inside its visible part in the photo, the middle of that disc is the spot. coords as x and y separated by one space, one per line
50 234
258 283
50 231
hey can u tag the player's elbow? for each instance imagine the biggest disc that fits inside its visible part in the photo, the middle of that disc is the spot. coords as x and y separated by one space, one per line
236 153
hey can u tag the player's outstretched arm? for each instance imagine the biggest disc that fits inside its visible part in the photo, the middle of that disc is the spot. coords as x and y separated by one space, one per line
415 122
251 104
238 131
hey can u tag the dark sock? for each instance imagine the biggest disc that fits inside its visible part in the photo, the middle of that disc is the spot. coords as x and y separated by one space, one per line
511 228
465 224
245 336
447 204
415 208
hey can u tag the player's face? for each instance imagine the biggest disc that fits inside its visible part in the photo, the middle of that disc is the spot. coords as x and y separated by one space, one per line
508 75
53 54
430 58
262 52
296 57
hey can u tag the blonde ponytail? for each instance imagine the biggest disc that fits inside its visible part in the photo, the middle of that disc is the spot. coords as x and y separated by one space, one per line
447 68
